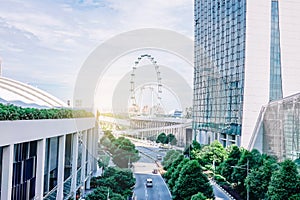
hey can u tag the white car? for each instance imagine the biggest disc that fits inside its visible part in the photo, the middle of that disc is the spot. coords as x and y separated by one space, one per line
159 157
149 182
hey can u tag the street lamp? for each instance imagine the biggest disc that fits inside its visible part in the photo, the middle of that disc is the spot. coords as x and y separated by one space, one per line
247 165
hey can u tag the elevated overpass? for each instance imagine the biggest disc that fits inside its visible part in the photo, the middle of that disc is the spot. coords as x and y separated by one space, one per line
147 128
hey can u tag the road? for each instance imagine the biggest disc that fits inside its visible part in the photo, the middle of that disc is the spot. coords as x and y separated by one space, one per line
143 170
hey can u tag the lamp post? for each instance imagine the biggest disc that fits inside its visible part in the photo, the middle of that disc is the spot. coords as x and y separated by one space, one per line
247 168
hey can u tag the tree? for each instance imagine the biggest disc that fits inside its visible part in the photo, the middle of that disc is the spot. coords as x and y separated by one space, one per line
172 168
214 153
193 146
169 158
161 138
191 181
295 197
103 161
125 181
119 181
124 151
253 159
258 180
198 196
285 182
104 141
176 174
171 139
225 168
101 193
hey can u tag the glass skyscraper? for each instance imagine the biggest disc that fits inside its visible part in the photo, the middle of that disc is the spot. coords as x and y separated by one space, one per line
237 67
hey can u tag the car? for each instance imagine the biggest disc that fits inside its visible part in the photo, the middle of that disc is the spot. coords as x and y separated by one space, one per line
149 182
159 157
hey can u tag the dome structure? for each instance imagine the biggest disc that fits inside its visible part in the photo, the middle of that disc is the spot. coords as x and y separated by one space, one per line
24 95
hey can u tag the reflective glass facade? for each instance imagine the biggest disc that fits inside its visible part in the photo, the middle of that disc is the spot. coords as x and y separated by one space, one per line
51 163
281 124
220 29
24 171
275 55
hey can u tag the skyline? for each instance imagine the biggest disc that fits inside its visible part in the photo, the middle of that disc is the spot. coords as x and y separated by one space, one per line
52 39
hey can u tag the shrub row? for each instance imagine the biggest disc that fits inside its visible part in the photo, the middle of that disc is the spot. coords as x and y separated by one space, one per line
12 112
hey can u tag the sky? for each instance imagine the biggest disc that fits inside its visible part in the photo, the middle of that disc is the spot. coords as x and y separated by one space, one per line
44 43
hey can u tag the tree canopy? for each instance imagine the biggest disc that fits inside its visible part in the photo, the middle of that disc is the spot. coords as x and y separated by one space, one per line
191 181
166 139
124 152
122 149
225 168
161 138
285 182
199 196
213 153
258 179
189 149
119 181
173 167
169 158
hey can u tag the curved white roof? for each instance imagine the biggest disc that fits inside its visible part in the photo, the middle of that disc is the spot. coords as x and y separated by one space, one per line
15 91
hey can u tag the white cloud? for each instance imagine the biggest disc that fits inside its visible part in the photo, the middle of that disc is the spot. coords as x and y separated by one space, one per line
52 38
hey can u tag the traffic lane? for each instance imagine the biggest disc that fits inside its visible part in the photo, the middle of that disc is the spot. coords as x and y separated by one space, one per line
145 159
158 191
151 153
154 150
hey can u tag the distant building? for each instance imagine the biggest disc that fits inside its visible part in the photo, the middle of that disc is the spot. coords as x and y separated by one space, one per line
245 56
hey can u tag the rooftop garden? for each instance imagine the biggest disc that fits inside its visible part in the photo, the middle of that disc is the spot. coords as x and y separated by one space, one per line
12 112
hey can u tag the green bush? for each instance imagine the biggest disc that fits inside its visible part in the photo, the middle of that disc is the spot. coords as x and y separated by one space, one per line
12 112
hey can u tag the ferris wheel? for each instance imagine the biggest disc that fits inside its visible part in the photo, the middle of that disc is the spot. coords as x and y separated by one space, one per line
135 107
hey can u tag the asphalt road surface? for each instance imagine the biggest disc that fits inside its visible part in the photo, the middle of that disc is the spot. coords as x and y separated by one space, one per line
143 170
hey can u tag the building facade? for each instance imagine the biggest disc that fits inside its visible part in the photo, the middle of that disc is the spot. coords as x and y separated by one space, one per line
277 129
47 159
244 58
44 159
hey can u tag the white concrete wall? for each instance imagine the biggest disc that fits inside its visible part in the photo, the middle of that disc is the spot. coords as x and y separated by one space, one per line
257 64
289 16
12 132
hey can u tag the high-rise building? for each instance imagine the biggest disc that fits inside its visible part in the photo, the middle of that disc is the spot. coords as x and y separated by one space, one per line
245 57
